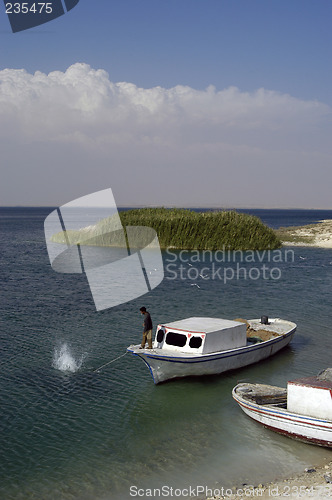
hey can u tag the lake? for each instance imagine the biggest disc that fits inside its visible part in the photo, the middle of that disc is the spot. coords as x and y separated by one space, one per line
86 435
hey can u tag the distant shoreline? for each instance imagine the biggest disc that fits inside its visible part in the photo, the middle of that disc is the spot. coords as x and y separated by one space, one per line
318 235
203 207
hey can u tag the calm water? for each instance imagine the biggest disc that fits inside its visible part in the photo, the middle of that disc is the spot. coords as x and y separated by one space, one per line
88 436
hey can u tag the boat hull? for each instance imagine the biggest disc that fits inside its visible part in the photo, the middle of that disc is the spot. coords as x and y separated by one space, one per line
308 429
163 367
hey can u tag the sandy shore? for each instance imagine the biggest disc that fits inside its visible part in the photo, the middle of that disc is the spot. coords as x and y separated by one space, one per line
313 483
313 235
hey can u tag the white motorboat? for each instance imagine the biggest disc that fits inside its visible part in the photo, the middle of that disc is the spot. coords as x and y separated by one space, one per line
303 411
205 346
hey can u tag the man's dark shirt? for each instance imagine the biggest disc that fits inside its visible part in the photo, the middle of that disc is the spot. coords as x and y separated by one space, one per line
147 322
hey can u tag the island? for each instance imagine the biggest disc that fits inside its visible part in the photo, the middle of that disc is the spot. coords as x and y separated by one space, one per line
187 229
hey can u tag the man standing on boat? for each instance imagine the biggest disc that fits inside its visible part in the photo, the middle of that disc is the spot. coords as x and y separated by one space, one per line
147 328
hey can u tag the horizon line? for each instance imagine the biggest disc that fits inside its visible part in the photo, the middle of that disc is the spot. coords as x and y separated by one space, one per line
226 207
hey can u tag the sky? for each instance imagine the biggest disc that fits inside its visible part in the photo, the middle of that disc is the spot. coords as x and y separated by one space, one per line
208 103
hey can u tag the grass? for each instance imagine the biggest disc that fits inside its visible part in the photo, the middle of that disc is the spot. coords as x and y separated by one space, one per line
184 229
291 234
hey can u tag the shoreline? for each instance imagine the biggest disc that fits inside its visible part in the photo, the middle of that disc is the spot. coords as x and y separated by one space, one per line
313 235
314 483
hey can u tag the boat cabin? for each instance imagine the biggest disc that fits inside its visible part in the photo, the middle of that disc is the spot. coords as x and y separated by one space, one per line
200 335
311 396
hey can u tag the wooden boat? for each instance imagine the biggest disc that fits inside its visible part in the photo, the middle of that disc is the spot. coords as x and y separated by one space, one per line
205 346
303 411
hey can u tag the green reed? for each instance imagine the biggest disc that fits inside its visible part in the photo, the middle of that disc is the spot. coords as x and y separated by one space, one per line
183 229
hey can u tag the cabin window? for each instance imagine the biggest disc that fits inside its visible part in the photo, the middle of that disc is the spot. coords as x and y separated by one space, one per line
160 335
177 339
195 342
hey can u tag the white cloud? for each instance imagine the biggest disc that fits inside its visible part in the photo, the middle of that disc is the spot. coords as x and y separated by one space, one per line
215 138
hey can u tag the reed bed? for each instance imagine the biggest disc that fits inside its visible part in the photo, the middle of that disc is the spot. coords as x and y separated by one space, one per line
215 230
183 229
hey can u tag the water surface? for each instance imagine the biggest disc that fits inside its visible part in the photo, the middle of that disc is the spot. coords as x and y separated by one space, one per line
69 432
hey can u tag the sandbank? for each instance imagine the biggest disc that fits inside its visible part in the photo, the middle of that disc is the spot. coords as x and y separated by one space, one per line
312 235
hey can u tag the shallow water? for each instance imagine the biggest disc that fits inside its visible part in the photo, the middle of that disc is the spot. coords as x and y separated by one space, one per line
69 432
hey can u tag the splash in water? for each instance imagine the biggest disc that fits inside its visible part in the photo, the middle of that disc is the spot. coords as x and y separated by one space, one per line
63 360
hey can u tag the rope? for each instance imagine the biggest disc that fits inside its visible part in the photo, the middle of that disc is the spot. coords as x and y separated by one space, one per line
112 361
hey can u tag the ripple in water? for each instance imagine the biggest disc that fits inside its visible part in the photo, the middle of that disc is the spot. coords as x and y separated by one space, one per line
64 361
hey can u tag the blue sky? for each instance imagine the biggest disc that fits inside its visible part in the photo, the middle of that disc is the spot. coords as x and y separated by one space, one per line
283 47
276 44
